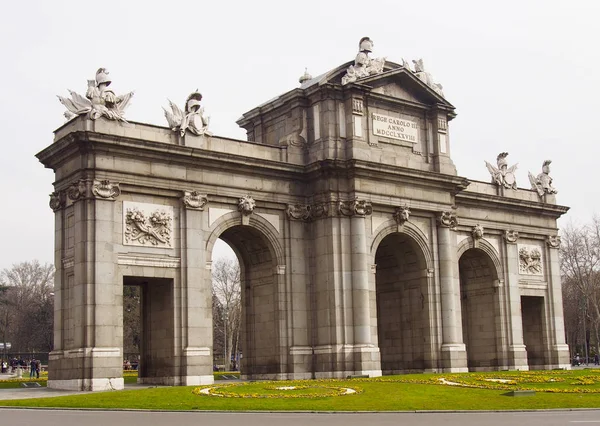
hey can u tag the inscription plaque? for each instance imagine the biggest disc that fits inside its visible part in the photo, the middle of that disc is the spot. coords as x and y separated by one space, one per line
395 128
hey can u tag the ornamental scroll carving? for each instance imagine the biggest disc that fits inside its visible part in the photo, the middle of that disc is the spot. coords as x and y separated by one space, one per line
298 211
193 200
530 260
355 208
307 212
401 215
511 236
148 224
106 189
448 219
553 241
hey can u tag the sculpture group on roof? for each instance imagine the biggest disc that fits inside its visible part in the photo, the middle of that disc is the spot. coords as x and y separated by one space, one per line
542 183
192 118
503 175
99 100
364 66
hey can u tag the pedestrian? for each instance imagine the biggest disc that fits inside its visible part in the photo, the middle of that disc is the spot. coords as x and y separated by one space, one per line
32 368
596 359
38 367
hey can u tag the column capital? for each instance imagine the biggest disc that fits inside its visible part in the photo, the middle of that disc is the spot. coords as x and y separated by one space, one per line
447 219
193 200
511 237
106 189
553 241
355 207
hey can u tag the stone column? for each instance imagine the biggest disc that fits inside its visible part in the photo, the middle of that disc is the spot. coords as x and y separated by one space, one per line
517 352
92 336
559 350
196 366
366 356
454 356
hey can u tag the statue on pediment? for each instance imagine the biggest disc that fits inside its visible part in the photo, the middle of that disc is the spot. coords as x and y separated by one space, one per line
426 78
99 100
364 66
192 119
542 183
503 175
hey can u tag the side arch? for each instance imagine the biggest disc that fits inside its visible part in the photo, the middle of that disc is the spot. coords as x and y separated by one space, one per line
485 247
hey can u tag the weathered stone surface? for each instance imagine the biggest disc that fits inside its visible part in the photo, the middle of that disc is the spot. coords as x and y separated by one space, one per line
338 279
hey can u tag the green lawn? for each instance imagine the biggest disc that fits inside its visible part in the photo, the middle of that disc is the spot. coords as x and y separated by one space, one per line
390 393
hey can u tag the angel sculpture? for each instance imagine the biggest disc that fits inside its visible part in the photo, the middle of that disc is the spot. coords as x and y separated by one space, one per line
543 182
192 119
99 100
503 175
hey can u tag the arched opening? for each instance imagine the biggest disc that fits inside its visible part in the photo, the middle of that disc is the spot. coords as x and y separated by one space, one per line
226 308
402 305
258 342
480 309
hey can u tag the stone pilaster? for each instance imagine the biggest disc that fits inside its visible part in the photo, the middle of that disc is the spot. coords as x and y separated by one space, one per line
559 350
196 300
91 355
454 356
366 356
517 352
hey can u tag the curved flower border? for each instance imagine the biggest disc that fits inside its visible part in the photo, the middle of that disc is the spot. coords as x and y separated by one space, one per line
218 390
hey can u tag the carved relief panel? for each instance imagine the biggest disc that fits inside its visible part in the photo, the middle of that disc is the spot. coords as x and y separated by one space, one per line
148 225
530 260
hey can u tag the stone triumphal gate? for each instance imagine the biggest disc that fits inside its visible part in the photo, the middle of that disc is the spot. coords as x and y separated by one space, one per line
361 249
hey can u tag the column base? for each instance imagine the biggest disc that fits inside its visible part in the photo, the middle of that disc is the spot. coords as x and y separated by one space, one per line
560 357
177 380
93 385
517 358
454 358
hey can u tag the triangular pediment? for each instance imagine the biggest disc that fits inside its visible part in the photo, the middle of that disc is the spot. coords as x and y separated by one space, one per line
395 81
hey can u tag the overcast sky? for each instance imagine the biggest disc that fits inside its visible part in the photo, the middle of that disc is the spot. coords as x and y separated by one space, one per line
523 76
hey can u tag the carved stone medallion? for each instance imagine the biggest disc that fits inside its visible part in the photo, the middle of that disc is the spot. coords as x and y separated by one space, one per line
511 236
193 200
355 208
246 205
401 215
448 219
56 201
298 211
77 190
553 241
105 189
477 232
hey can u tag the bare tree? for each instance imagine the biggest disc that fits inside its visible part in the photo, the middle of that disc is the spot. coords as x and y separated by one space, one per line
27 305
226 291
580 267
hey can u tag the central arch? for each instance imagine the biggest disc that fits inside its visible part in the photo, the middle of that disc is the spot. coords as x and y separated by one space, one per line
257 250
403 304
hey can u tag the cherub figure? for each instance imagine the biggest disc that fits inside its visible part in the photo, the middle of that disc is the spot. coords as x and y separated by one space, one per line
192 119
503 175
543 182
99 100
